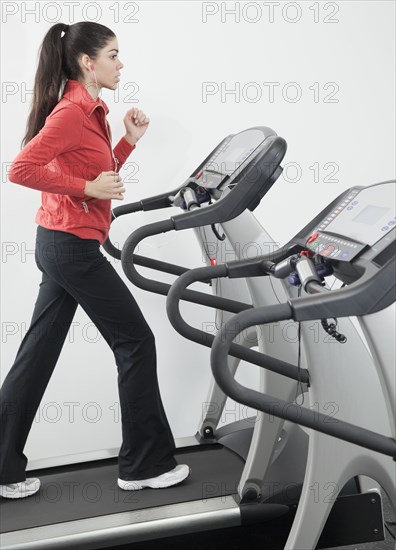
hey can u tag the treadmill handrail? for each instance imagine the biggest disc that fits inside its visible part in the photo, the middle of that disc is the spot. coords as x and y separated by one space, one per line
156 202
262 402
372 292
151 203
158 287
203 338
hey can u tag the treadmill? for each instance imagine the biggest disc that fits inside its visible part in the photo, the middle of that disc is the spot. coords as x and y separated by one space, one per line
79 505
353 241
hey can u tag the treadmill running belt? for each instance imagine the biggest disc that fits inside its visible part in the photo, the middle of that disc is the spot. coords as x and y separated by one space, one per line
90 489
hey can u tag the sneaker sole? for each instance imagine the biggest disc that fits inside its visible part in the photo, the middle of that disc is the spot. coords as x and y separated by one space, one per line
136 486
17 492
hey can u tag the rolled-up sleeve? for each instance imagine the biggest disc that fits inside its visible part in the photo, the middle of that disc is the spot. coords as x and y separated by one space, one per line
33 168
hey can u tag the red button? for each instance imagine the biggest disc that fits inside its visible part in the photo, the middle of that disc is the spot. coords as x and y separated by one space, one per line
313 237
328 250
198 175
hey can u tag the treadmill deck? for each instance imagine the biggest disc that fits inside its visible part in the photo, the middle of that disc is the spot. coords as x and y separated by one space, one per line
79 492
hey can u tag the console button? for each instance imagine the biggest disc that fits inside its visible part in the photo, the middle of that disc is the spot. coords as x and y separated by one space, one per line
313 237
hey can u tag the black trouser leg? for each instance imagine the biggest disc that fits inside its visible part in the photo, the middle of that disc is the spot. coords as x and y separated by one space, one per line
78 266
25 384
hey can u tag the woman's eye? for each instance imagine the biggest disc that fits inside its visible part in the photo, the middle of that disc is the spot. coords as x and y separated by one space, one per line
113 56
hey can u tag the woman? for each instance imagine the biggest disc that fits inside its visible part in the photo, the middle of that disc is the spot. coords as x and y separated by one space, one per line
68 155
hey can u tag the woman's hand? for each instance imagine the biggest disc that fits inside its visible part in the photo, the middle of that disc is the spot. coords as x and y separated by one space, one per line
108 185
136 123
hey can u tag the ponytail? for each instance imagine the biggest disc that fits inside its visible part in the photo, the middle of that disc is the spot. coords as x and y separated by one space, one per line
49 77
58 62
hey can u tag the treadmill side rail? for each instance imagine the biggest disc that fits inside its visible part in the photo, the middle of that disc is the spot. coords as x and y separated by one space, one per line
128 527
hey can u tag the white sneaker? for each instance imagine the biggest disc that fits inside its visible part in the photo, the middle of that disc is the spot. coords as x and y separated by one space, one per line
22 489
180 472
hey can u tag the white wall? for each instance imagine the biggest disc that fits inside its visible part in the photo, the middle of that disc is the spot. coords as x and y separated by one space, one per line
182 61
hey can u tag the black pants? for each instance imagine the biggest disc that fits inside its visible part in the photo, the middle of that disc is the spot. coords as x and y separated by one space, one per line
76 272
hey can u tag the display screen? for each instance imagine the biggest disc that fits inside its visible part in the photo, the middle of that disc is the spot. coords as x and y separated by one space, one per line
367 217
234 154
370 214
228 163
227 160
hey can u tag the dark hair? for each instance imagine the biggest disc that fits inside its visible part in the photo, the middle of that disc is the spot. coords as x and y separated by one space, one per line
58 61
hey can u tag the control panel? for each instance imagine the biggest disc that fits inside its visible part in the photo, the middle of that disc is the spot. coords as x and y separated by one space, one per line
229 157
358 221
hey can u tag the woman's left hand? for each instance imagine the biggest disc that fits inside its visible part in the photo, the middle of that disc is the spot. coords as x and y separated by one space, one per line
136 123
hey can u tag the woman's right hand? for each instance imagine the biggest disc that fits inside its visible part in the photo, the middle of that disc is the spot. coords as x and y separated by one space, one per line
108 185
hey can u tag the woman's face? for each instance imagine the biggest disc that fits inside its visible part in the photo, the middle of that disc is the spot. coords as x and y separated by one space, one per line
107 66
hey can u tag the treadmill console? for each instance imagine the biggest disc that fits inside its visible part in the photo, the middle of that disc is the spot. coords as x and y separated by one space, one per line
229 156
228 165
358 220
